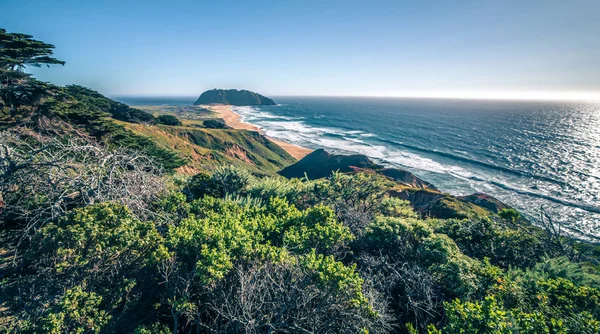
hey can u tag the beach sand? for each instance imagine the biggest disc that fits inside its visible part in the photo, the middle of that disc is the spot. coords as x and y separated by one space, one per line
235 121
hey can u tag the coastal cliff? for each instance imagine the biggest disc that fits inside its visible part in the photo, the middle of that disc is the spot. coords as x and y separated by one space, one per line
233 97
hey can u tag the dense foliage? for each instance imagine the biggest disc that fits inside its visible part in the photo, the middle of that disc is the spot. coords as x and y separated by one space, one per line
215 124
99 237
168 120
97 102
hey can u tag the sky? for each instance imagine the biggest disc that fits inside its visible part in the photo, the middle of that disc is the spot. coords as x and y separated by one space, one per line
445 48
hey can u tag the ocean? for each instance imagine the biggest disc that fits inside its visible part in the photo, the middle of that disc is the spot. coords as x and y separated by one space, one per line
530 155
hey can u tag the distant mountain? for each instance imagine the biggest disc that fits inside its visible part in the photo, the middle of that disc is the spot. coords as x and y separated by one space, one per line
233 97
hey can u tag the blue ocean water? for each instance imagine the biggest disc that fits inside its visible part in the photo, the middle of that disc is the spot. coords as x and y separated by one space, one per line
528 154
156 100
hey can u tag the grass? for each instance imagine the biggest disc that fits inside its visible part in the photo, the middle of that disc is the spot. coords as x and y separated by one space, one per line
208 148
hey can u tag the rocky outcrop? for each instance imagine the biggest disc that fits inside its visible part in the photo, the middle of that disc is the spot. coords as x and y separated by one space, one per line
320 164
485 201
233 97
436 204
406 177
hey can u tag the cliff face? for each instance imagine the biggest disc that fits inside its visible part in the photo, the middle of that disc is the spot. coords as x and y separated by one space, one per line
233 97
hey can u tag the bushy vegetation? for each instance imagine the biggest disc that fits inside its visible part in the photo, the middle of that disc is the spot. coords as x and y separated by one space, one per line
214 124
168 120
227 251
98 102
99 237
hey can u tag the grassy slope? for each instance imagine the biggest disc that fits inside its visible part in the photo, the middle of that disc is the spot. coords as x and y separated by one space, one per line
207 148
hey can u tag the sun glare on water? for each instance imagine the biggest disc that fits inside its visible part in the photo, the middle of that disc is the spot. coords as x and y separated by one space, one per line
498 95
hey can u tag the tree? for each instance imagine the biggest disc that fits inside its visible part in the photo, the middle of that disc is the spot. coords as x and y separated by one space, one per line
18 51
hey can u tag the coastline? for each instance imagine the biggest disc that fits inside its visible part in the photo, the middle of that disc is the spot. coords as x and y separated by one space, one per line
234 120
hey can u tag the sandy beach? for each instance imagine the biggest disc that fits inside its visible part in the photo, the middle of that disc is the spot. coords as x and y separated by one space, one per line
234 120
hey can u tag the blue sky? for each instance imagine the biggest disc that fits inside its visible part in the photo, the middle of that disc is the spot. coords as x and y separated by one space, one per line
348 47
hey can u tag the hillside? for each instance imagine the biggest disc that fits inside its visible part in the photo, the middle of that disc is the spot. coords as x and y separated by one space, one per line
233 97
193 146
207 148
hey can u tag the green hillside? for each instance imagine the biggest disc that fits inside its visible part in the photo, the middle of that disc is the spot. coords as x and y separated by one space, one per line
205 148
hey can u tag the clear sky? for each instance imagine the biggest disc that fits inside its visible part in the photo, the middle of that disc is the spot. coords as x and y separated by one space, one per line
384 48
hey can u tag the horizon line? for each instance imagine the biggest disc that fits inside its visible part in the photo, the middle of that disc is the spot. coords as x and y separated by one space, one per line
499 96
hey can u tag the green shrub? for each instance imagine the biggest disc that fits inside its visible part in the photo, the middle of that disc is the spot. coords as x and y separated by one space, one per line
214 124
457 273
77 311
269 187
317 229
395 207
96 240
510 215
397 237
482 238
168 120
224 180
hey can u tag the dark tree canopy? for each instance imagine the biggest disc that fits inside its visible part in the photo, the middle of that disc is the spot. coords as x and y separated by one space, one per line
215 124
168 120
18 51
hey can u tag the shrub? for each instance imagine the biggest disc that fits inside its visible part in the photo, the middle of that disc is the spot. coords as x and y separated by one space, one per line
103 241
84 268
283 298
224 180
269 187
317 229
456 272
44 177
481 238
397 237
395 207
168 120
77 311
510 214
215 124
356 199
231 179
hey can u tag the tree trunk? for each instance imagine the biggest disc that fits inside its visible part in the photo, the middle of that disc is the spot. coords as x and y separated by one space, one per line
175 320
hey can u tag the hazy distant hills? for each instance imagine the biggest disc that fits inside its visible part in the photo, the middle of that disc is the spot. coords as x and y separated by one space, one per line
233 97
